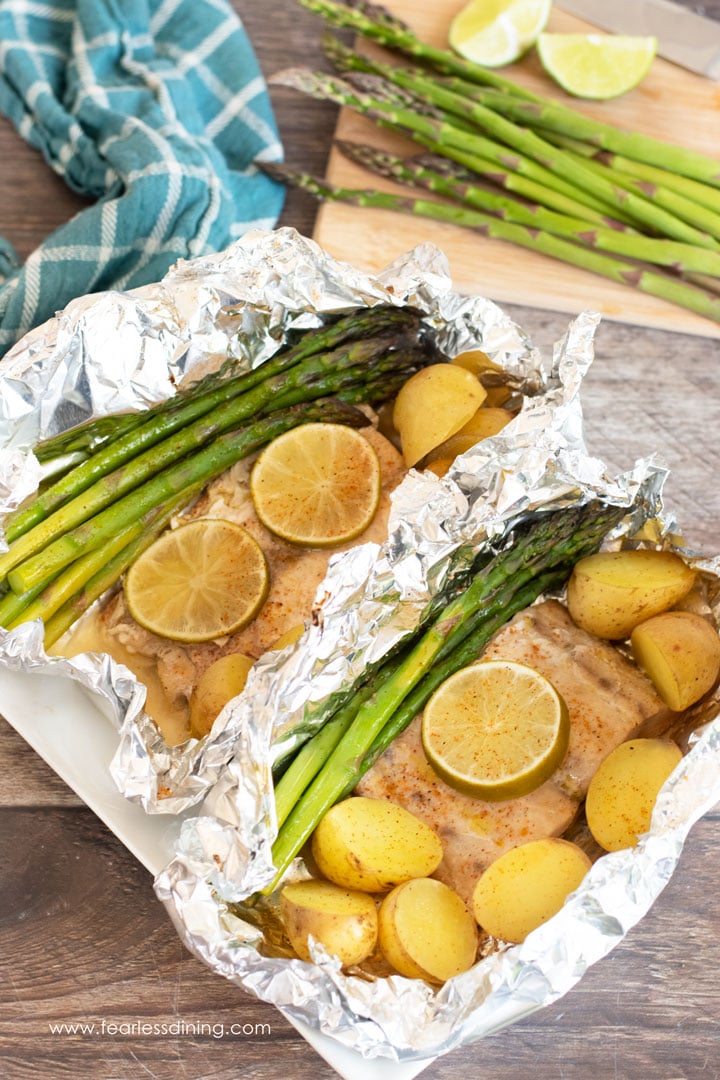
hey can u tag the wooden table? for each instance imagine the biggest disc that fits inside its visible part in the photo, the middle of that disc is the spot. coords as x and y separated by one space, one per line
82 937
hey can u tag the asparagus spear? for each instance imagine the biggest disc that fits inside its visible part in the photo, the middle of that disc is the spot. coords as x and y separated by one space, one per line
438 175
318 376
555 541
375 23
638 276
198 468
165 418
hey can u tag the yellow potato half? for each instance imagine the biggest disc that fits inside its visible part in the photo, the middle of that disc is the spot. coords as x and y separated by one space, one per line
373 845
482 425
680 652
345 922
623 792
527 886
289 637
486 422
610 593
426 932
480 364
433 405
217 685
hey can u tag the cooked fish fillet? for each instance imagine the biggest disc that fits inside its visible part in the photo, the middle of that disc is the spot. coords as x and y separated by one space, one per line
295 574
609 700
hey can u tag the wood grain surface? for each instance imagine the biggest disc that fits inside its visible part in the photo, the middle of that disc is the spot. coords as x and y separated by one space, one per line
82 938
670 103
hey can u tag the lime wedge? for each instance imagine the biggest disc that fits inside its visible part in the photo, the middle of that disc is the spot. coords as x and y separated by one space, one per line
496 32
597 66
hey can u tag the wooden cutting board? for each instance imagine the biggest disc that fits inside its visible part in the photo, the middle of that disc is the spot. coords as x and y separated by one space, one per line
670 104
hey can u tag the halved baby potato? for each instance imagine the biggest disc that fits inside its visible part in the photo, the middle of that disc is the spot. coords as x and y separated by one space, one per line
433 405
373 845
680 652
623 792
343 921
611 592
527 886
479 363
426 932
217 685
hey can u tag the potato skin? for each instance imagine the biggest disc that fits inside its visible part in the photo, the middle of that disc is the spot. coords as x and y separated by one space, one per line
527 886
680 652
624 790
426 932
372 845
344 921
611 592
217 685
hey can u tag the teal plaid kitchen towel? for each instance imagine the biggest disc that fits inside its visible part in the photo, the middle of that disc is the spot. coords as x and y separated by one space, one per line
157 109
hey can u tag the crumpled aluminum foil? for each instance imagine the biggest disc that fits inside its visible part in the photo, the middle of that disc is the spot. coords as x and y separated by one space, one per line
115 351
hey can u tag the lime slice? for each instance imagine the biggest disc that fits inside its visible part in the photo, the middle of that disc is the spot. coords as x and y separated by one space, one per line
496 32
597 66
198 582
495 730
317 485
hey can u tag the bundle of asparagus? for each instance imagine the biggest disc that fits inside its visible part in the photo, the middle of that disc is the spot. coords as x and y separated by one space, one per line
78 535
330 764
630 208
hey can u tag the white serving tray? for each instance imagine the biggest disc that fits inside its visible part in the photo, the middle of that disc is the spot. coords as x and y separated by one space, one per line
63 724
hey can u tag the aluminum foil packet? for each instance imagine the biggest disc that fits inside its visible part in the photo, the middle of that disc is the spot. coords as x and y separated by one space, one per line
117 351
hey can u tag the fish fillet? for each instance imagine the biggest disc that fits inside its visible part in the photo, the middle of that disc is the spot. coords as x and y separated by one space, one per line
609 700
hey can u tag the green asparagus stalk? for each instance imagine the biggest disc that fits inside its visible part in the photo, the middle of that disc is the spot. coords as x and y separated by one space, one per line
316 377
653 282
376 24
436 174
308 761
199 468
553 542
162 421
472 150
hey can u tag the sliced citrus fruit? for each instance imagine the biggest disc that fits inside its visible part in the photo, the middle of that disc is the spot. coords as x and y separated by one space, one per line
596 66
200 581
496 32
317 485
495 730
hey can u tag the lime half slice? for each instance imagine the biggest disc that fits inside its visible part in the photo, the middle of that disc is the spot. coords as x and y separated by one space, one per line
597 66
496 32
